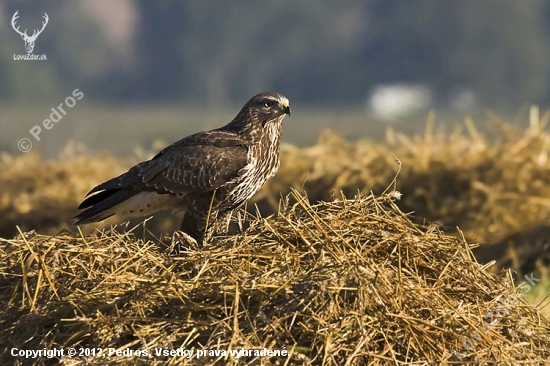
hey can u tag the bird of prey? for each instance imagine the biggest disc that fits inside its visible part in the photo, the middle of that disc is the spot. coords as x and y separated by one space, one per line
207 175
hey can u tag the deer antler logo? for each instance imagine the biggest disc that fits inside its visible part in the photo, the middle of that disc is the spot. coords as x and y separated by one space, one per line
29 40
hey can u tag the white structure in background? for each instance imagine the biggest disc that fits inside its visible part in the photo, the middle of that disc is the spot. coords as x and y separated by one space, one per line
463 100
390 101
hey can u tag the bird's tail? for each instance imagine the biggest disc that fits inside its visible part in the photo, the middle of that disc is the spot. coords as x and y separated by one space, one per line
101 205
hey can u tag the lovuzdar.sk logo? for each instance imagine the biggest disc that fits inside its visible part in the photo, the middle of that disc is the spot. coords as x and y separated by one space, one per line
29 40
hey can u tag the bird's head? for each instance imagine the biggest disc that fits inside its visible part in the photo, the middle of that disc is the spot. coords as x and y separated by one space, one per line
268 107
265 108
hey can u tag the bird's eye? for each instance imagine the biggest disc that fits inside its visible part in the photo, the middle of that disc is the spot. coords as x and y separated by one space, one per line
268 104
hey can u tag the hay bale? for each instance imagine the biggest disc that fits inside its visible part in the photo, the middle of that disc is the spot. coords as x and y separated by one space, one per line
348 282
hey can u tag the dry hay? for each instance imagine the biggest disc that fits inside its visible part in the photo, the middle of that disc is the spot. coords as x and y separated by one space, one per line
493 186
38 194
349 282
42 195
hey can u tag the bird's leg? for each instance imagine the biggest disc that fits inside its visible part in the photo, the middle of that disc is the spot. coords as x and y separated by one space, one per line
189 225
221 225
194 224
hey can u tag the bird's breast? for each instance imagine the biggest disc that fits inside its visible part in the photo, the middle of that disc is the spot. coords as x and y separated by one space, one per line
263 164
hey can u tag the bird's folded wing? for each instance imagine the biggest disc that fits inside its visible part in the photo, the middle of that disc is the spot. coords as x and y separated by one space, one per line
199 163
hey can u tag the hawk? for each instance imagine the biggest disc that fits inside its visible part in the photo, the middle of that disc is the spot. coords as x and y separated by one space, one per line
207 175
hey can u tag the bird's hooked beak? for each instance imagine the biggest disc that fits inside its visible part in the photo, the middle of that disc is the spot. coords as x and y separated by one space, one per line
286 107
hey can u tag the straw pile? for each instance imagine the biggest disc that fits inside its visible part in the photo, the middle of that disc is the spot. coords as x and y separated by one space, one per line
490 185
494 186
349 282
42 195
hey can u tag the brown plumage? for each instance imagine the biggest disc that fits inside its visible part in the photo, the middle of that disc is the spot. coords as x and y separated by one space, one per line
207 175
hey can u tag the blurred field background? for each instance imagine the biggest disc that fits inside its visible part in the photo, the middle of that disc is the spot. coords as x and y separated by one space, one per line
151 70
458 91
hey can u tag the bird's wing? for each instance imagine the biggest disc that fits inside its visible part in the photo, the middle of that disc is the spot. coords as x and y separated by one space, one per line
199 163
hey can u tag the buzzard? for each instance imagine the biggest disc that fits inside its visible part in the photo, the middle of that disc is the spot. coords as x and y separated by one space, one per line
207 175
